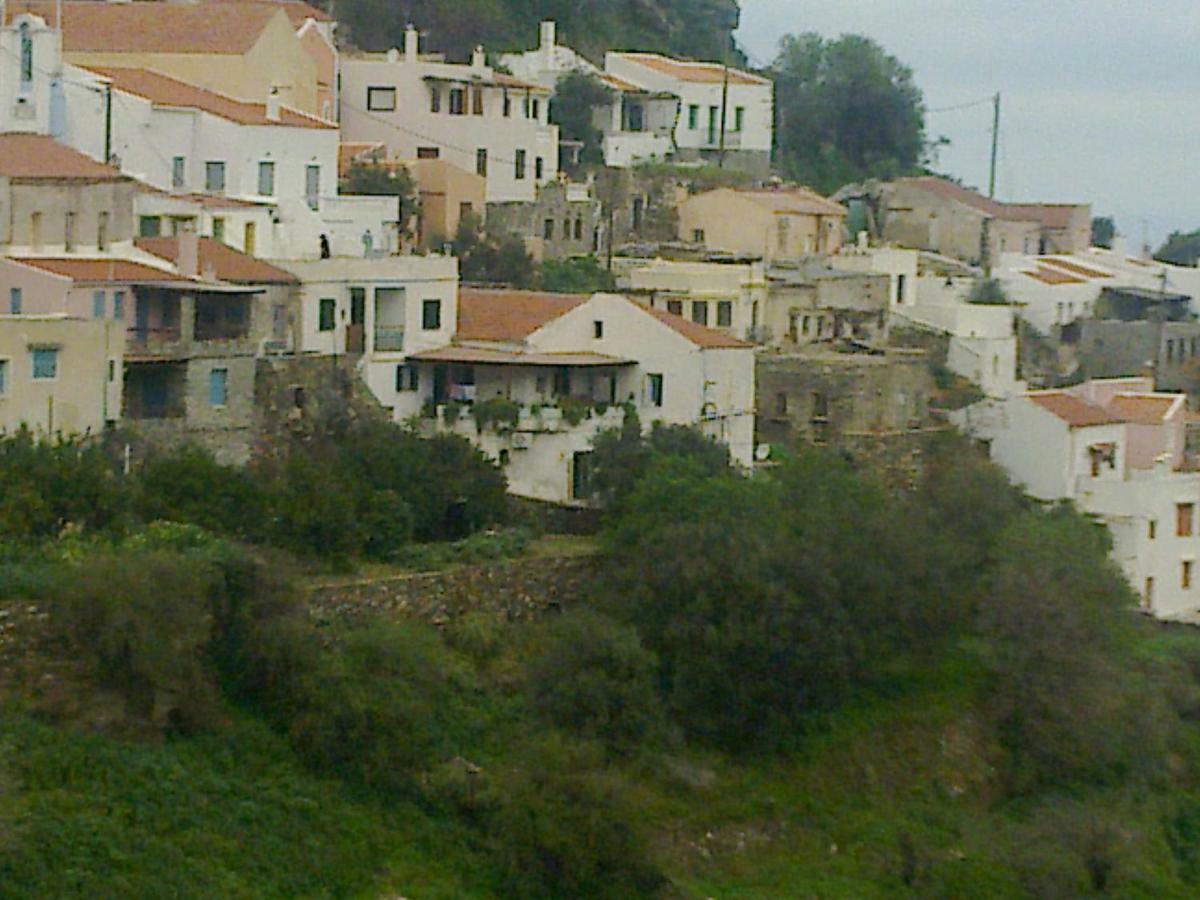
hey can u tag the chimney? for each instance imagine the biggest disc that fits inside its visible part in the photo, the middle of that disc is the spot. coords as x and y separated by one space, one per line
188 260
273 105
478 59
548 37
412 44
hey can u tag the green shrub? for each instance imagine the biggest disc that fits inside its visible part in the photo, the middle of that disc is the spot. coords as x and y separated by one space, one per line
189 485
496 412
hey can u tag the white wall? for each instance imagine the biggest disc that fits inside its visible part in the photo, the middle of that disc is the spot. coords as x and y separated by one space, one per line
27 106
1034 447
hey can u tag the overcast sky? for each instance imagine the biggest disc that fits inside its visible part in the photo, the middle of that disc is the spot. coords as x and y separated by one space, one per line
1100 98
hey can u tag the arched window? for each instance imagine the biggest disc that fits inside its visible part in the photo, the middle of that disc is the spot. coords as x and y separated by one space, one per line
26 54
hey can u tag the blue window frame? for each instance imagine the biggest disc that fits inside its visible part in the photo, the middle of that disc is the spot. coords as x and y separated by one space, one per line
3 377
14 301
45 363
97 304
118 304
218 387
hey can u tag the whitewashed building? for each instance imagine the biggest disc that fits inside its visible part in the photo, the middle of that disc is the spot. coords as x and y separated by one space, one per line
422 107
1116 448
533 378
730 297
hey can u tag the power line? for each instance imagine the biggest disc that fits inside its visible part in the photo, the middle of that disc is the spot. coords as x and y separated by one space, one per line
968 105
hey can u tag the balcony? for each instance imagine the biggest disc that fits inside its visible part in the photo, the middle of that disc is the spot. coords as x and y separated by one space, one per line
154 343
389 338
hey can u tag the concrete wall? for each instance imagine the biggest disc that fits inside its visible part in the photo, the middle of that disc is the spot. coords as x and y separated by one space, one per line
85 394
444 191
678 286
731 223
87 201
556 212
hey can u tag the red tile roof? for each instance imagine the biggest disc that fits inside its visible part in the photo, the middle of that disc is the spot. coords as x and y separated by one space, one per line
226 263
696 72
502 315
1073 267
163 90
1143 409
97 27
489 356
101 271
297 11
1052 276
1070 409
38 156
699 335
799 200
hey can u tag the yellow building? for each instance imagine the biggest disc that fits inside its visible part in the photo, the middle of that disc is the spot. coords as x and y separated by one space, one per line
59 374
241 49
771 224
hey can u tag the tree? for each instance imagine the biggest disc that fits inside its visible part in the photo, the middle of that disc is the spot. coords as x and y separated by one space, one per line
577 96
1182 249
847 111
486 257
576 275
1103 231
384 181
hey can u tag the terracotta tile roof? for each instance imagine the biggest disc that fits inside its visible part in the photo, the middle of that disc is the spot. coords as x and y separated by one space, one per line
1073 267
101 271
501 315
226 263
696 72
799 200
698 334
619 84
97 27
207 201
503 80
1075 412
38 156
1143 409
163 90
1052 276
297 11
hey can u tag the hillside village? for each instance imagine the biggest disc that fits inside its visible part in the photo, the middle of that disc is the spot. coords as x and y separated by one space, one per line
180 251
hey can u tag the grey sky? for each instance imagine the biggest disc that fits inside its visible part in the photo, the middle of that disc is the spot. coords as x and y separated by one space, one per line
1101 98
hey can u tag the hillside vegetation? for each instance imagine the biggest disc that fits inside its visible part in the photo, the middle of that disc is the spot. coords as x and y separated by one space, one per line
792 685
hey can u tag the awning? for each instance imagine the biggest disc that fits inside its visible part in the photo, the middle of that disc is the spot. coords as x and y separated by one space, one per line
488 357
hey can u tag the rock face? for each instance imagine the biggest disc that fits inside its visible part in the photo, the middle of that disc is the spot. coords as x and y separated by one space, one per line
516 590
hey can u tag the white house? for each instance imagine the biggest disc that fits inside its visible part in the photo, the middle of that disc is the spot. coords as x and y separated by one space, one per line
637 125
31 75
722 110
481 120
557 369
730 297
1116 448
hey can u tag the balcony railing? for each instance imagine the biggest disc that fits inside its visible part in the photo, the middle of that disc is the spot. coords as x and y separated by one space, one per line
389 338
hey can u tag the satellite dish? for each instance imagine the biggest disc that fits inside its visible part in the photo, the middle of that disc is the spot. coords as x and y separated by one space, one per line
762 452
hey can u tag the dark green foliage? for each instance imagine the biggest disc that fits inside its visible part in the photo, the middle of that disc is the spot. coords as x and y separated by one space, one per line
567 827
1180 248
1103 231
576 275
577 97
384 181
988 292
48 485
188 485
591 675
496 412
490 258
846 111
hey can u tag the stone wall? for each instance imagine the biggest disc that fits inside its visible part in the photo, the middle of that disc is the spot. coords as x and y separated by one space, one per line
517 590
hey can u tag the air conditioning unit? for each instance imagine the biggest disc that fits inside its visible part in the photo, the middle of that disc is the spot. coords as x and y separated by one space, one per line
522 440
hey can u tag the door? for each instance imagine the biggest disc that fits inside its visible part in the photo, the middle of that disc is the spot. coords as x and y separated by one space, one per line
356 333
141 318
249 242
439 385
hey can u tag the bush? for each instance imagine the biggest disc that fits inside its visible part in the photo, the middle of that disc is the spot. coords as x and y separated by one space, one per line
189 485
496 411
592 675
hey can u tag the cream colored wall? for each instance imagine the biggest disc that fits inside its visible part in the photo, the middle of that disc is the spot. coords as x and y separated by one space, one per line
82 397
734 224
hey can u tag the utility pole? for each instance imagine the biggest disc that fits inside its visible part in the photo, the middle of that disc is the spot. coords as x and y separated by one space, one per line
724 112
108 124
995 144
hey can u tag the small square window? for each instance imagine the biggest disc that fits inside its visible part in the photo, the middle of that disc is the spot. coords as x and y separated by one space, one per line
481 161
118 305
1152 529
407 378
675 307
428 153
1185 575
548 229
597 329
381 99
654 388
45 363
1185 513
266 179
178 172
218 387
724 313
214 177
697 235
14 301
519 165
539 168
435 100
700 312
458 101
325 314
431 315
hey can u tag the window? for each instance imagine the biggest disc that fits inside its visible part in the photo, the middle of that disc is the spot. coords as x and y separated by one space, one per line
700 312
3 377
325 312
579 229
218 387
693 117
1184 515
781 404
1185 574
112 371
149 226
218 229
69 232
536 107
214 176
900 280
102 231
465 209
428 153
481 161
724 313
519 166
312 185
739 117
1152 529
407 378
118 305
98 299
639 206
477 102
14 301
248 241
178 171
45 363
266 179
548 229
581 475
35 230
458 101
820 406
566 229
431 315
381 99
507 105
654 389
675 307
697 235
435 99
26 56
1148 600
713 113
539 168
597 329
